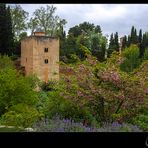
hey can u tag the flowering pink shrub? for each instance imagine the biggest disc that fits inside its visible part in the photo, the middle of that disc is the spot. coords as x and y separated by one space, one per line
109 93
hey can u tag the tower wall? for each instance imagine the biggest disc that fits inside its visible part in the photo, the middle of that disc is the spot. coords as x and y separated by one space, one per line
42 63
27 55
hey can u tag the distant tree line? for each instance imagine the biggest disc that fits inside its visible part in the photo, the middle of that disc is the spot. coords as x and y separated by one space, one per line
81 39
14 24
141 39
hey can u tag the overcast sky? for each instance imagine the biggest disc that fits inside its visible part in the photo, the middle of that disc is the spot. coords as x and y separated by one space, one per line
111 17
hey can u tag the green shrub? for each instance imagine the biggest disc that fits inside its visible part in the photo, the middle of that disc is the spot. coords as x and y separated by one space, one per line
142 121
56 104
131 59
146 54
15 89
52 102
20 115
107 93
6 62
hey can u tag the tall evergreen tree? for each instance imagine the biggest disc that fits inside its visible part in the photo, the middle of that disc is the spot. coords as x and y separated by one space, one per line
124 42
116 41
144 44
111 45
140 43
128 40
2 28
111 42
132 37
140 36
9 32
135 37
6 36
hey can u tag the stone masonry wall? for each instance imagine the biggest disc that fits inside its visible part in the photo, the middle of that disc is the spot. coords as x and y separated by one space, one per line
33 48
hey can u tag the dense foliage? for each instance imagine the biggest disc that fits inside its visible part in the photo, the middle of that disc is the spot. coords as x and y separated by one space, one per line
16 89
108 93
101 88
6 32
131 58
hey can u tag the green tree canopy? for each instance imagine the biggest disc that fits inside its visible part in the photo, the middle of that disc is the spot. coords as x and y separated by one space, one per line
19 20
14 87
131 58
45 18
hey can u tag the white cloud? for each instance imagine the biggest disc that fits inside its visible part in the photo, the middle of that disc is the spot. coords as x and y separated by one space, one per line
103 14
111 17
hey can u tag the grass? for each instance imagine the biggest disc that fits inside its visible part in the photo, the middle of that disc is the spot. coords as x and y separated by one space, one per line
13 129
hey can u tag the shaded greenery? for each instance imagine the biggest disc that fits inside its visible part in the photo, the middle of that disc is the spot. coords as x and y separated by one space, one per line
20 115
91 90
108 93
131 58
87 35
16 89
113 44
6 34
15 129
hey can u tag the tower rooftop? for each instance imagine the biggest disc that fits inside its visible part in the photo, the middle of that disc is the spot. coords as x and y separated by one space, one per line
39 32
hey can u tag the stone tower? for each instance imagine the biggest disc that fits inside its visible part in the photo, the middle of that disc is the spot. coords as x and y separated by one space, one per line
40 56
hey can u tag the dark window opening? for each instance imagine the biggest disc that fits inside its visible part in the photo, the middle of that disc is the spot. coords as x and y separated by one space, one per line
45 49
46 61
26 59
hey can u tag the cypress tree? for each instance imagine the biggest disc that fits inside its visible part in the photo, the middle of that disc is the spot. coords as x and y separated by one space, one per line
6 36
124 42
116 41
132 38
111 45
9 32
2 28
128 41
140 43
144 44
135 37
111 41
140 36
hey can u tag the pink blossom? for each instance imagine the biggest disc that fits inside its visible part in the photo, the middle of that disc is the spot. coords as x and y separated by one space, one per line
146 90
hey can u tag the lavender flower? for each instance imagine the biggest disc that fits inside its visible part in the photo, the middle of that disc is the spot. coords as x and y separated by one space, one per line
57 124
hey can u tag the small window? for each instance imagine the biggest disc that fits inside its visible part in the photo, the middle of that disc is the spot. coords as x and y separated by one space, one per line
45 49
46 61
26 59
